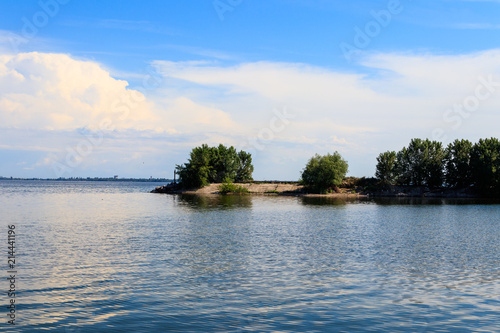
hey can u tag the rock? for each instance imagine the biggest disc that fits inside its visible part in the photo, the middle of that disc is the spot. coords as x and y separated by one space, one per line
169 188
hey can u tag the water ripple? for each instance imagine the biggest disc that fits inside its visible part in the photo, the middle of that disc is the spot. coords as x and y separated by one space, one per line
113 259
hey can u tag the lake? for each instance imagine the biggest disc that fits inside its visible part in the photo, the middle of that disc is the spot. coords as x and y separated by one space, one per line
111 257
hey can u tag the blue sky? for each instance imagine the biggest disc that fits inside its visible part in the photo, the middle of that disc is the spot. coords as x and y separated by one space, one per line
94 88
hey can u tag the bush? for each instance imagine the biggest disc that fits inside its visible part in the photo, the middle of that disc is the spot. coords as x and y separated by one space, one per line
228 187
349 182
323 173
370 184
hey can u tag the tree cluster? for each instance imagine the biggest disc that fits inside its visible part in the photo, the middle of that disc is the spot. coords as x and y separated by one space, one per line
215 165
323 173
461 164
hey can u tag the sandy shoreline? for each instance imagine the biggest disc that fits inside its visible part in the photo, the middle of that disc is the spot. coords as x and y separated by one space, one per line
294 189
270 189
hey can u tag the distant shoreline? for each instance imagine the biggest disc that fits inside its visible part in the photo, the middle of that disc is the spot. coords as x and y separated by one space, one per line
146 180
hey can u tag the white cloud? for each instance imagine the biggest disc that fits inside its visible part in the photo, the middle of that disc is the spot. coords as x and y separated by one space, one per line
406 91
55 92
399 96
189 117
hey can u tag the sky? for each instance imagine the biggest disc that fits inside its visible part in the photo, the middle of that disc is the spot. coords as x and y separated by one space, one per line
128 88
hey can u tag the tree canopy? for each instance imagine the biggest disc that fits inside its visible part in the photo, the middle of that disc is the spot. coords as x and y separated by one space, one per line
485 165
215 165
458 163
386 167
420 163
461 164
324 172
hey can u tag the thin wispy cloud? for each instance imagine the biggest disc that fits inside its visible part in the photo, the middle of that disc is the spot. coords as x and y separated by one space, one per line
477 26
200 51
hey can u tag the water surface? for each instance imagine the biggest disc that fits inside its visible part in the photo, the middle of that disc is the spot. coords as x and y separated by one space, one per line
111 257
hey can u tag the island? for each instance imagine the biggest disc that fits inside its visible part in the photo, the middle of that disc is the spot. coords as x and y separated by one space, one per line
423 169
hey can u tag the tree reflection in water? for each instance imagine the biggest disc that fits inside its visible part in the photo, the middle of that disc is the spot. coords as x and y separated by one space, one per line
195 201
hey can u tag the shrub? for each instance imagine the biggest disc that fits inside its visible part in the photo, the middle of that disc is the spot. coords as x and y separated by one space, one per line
229 187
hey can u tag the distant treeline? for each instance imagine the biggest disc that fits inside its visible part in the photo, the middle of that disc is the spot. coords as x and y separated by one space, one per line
462 164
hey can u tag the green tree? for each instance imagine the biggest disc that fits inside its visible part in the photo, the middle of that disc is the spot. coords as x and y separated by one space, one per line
434 163
410 164
457 163
198 171
324 172
245 168
225 164
421 163
214 165
485 165
386 167
403 172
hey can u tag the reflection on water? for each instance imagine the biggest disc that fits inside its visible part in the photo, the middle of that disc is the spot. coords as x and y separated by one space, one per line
435 201
115 259
330 200
215 201
396 201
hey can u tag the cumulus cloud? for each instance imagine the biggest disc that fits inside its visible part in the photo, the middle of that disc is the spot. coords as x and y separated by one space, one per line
51 104
58 92
55 91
